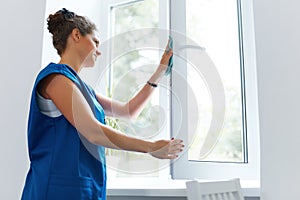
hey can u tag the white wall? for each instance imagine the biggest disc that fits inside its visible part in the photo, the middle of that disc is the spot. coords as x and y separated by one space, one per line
22 29
277 25
20 52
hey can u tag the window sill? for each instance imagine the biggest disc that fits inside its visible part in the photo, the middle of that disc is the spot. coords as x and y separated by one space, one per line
150 187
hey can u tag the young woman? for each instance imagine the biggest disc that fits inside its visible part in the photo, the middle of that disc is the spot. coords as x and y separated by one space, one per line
66 128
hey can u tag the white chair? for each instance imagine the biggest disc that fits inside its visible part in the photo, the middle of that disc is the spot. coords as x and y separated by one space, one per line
214 190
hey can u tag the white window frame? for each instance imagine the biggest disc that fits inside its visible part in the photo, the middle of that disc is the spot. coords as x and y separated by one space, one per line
184 169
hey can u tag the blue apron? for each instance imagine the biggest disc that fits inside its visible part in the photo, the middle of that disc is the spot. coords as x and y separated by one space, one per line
63 164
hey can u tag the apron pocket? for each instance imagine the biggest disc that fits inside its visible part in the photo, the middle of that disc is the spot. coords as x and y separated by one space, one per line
73 188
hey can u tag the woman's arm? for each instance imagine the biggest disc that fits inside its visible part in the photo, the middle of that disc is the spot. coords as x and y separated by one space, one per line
134 106
72 104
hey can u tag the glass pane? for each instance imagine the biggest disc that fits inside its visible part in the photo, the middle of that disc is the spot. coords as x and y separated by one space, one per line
132 25
213 24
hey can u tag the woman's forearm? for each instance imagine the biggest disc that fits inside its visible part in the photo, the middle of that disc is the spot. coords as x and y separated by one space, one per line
111 138
137 103
134 106
108 137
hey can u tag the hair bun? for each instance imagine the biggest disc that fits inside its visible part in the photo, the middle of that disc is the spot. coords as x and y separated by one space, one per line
54 21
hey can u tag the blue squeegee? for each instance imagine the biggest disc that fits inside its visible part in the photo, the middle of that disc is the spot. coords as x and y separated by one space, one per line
169 69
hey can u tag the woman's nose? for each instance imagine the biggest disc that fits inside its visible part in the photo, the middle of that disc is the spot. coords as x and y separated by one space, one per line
98 52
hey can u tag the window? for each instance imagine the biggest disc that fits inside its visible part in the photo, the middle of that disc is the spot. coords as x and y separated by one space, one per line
133 35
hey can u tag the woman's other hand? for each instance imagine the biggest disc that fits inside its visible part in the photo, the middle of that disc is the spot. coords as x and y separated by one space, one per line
167 149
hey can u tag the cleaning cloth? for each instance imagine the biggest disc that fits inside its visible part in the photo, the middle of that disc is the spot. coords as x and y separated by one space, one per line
169 69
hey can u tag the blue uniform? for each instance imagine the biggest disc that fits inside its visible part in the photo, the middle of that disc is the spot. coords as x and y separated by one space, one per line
63 164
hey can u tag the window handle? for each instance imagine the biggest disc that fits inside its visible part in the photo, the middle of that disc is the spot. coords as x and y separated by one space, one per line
189 46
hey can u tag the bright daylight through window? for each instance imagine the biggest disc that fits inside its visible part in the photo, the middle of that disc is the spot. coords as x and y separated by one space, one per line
127 75
214 25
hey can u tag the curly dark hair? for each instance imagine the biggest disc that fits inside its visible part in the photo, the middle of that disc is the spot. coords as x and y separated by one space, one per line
62 23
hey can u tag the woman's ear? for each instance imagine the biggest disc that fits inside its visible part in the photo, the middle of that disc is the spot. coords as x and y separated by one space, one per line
76 35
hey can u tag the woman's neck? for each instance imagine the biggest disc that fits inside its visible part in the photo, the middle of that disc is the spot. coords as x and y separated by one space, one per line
71 62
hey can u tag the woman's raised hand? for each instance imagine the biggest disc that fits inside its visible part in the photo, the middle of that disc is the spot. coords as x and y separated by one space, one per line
164 62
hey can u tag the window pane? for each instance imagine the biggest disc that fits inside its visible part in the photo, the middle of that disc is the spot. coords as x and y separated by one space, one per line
213 24
130 72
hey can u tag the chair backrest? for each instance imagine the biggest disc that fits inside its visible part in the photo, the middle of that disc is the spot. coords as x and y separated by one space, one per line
214 190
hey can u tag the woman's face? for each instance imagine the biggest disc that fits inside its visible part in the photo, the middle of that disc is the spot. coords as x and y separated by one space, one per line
90 49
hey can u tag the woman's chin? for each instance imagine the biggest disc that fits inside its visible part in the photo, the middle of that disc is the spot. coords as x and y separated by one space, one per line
89 65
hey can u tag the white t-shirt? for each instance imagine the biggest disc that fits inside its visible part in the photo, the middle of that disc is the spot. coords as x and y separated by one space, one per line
47 107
